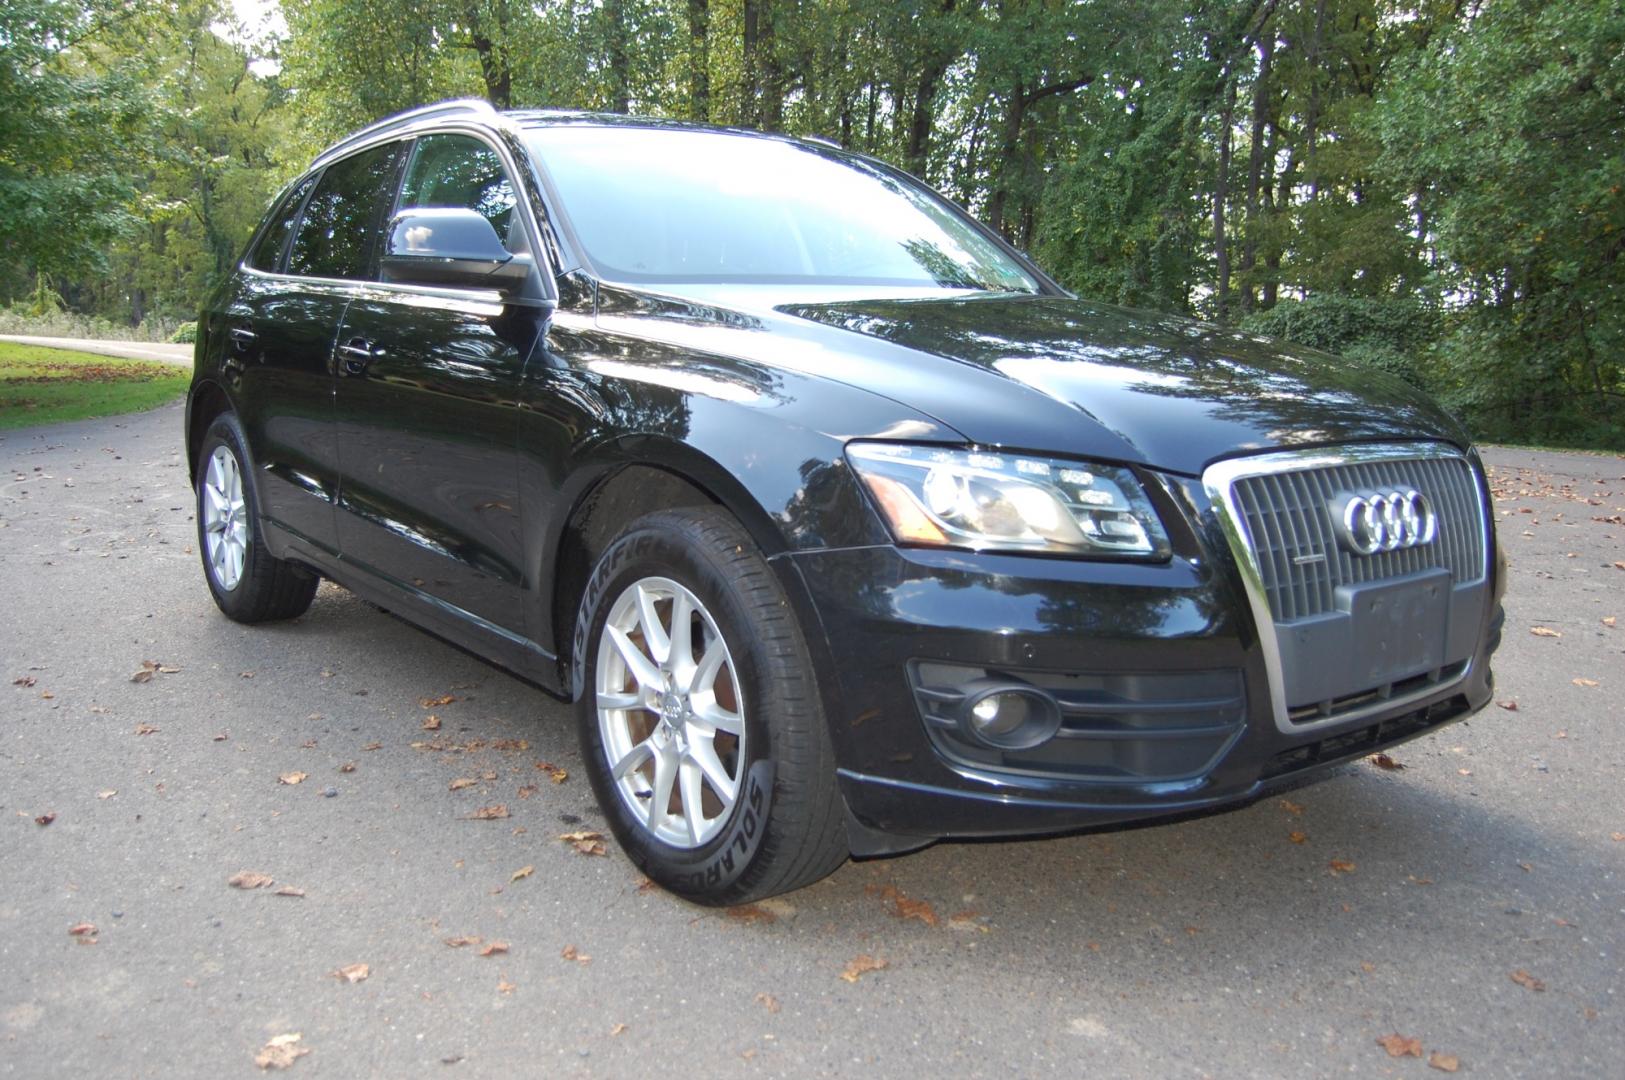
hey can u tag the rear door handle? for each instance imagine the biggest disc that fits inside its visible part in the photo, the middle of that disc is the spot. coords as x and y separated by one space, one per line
242 337
357 354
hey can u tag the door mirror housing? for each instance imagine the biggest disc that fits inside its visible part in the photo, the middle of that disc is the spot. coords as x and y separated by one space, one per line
456 247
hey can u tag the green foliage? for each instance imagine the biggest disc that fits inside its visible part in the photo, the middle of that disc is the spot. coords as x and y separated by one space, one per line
185 334
1510 128
1428 187
1392 334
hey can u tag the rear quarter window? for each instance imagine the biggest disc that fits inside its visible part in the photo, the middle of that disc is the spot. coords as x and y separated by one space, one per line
266 254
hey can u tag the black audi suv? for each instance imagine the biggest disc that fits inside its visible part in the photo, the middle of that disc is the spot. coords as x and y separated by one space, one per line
842 525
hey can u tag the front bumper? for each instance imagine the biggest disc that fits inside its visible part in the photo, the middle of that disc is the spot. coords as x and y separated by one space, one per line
880 613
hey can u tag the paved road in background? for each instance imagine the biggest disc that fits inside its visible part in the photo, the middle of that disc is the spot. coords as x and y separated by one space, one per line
1483 914
134 350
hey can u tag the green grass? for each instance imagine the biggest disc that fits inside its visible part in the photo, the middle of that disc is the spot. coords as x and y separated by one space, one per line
48 386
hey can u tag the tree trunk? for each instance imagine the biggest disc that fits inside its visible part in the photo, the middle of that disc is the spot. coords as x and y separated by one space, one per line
495 68
1255 168
1221 194
699 60
620 75
764 78
925 94
1009 141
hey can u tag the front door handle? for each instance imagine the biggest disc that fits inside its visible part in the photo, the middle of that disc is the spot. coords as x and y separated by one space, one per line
357 354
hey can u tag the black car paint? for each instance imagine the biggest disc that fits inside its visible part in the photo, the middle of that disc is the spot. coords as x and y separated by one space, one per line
461 485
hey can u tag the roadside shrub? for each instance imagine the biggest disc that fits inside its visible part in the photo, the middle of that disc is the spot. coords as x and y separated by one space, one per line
1391 334
185 334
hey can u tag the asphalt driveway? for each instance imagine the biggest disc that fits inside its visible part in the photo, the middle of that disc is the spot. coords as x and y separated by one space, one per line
1472 901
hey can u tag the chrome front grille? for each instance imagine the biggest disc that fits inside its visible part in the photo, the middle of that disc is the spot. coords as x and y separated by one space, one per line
1290 531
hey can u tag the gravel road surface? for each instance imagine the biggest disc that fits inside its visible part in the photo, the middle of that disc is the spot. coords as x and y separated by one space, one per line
1472 901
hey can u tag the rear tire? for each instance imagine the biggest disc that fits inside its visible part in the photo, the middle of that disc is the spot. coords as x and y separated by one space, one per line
701 724
247 582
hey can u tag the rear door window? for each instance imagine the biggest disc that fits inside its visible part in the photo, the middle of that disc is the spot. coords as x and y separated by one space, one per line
345 215
460 172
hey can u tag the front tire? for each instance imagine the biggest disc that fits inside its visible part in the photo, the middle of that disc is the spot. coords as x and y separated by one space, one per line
700 720
247 582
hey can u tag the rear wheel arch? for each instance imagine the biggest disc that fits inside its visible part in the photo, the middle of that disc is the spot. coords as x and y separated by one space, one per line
207 401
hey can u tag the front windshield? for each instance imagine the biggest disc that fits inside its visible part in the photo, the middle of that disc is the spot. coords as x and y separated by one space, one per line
653 205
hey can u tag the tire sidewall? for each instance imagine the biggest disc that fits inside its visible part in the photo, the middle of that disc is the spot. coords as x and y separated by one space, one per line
225 431
709 872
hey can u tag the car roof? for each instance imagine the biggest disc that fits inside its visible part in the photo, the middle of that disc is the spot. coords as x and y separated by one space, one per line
478 110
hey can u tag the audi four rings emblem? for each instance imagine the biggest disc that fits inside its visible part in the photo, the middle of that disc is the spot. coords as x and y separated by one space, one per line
1385 521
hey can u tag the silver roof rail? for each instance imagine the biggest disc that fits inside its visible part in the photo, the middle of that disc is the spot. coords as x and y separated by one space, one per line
457 107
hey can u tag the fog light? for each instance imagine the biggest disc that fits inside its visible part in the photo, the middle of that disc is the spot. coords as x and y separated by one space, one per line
1010 716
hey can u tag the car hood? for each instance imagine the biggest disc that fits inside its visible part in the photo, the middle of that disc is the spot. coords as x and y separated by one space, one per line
1059 375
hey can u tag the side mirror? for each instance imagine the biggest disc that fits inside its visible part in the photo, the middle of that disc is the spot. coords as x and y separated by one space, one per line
450 247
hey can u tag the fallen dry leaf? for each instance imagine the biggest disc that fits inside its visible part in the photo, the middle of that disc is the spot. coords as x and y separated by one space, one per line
1618 837
436 702
291 890
493 948
373 746
1298 836
249 879
281 1052
1527 981
347 767
83 929
556 774
1341 866
1444 1062
24 681
504 986
459 942
570 952
44 819
490 813
1383 761
861 965
585 843
527 791
292 778
431 722
221 736
1509 706
522 872
916 909
1401 1046
352 973
146 729
1291 807
750 913
1545 631
768 1002
618 1029
1585 682
1609 621
463 782
108 794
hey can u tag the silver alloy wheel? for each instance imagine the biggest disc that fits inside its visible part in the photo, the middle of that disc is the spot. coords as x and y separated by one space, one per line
670 713
225 518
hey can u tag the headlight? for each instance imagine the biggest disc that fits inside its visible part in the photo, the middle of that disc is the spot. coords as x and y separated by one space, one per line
1008 502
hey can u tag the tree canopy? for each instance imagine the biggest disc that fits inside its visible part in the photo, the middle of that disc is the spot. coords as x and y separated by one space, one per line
1430 187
